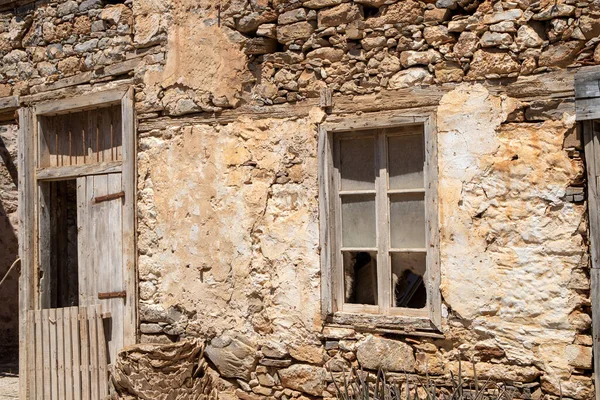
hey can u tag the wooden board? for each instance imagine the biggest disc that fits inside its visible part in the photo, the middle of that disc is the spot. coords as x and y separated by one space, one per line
26 237
101 251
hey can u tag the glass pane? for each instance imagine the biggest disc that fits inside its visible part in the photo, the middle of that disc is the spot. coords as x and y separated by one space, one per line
406 158
358 221
357 163
408 288
407 220
360 277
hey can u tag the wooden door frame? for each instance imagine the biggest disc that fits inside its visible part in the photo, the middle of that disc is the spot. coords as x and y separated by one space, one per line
587 109
30 175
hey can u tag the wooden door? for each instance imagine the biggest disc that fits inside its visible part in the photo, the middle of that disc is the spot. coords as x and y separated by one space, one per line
100 206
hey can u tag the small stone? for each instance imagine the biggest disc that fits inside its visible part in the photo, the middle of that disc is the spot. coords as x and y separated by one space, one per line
504 26
308 353
528 37
292 32
305 378
495 39
579 356
436 15
267 30
437 35
339 333
269 362
234 357
66 8
458 25
486 62
342 14
87 5
466 44
561 54
370 43
150 328
554 11
448 71
326 53
252 21
321 3
411 58
509 15
289 17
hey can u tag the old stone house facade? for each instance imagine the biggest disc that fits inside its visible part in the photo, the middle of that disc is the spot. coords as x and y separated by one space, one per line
313 184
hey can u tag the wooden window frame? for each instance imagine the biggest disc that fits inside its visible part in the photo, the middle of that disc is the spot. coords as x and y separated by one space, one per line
30 177
427 319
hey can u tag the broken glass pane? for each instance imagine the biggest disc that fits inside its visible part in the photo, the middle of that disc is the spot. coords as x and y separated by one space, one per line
360 277
408 289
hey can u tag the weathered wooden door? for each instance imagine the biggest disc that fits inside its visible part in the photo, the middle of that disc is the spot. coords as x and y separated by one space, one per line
100 202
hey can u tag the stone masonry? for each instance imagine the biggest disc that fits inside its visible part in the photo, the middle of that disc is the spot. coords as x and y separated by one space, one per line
228 199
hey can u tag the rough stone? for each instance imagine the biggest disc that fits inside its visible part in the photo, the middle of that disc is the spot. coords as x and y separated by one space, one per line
560 55
528 37
487 62
437 35
299 30
304 378
495 39
234 357
410 58
342 14
375 352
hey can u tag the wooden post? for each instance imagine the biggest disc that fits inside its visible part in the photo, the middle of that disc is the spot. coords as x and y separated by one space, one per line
592 158
26 236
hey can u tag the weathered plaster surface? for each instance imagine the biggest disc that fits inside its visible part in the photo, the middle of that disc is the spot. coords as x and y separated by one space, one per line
229 238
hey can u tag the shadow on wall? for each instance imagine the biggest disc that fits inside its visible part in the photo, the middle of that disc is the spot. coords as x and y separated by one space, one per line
9 248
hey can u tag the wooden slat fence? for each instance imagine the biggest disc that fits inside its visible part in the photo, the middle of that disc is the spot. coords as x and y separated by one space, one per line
69 354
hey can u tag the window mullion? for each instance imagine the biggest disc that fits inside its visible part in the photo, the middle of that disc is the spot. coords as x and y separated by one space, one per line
383 267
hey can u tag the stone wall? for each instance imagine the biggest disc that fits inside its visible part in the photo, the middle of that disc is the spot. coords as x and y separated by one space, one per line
9 291
230 252
227 213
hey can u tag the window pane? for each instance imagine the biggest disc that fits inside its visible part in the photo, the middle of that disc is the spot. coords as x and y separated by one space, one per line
358 221
360 277
357 159
407 220
406 158
408 288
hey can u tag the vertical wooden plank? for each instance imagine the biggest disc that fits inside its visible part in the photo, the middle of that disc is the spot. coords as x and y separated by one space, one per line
47 358
68 358
76 343
39 357
384 272
102 352
26 211
433 278
85 353
60 353
110 263
84 238
93 343
336 227
129 230
595 291
324 231
31 354
53 354
44 237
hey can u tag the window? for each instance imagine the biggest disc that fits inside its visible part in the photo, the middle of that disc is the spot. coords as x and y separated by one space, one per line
379 242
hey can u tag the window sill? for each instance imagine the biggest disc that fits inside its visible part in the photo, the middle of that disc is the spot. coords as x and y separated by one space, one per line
400 324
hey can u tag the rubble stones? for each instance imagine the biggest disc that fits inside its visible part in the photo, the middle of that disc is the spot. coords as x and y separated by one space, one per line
298 30
560 55
342 14
486 62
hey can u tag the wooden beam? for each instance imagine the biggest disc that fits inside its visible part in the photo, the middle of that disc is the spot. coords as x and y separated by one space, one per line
80 103
76 171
